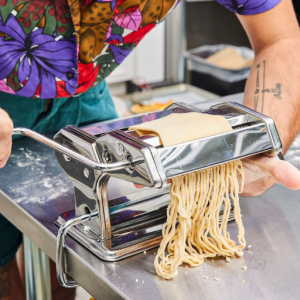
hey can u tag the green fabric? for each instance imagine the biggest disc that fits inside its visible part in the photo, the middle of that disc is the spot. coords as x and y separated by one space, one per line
10 240
93 106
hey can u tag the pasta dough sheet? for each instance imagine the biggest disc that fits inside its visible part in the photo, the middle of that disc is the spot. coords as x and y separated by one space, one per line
180 128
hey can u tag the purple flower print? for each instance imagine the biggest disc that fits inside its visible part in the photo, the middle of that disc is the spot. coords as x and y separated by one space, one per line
42 58
112 2
248 7
119 53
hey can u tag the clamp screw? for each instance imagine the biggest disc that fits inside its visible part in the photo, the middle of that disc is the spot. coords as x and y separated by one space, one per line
86 172
66 157
130 159
121 147
107 156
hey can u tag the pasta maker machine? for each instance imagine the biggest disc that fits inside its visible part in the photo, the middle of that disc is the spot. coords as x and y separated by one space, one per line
101 157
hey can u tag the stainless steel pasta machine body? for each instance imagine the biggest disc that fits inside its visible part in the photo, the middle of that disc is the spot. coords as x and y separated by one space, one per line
114 226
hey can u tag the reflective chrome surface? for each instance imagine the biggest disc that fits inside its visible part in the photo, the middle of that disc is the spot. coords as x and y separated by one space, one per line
61 244
132 237
145 174
104 167
270 125
35 190
85 187
133 226
37 272
129 227
215 150
105 127
253 133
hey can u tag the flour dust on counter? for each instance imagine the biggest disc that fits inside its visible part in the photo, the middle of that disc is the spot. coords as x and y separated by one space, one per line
35 163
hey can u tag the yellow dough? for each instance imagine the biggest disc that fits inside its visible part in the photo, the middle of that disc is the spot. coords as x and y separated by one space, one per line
180 128
193 230
228 58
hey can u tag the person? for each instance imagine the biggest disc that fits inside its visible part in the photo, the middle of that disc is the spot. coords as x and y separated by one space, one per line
55 55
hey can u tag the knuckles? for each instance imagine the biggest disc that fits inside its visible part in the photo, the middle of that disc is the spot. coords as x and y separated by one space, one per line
4 157
3 162
259 187
6 127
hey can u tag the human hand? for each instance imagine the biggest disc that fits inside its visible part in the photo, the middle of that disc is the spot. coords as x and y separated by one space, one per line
6 127
262 172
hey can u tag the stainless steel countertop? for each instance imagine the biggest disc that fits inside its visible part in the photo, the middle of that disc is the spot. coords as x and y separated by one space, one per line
35 191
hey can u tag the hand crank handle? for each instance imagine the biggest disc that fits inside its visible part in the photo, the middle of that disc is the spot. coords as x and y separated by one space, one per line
104 167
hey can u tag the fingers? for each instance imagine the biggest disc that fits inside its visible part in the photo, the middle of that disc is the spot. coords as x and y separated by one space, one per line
283 171
4 154
6 128
256 188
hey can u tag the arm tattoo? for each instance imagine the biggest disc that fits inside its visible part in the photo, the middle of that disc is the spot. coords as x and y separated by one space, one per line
261 89
5 284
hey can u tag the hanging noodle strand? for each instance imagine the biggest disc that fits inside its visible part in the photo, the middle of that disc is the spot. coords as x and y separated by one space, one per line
193 230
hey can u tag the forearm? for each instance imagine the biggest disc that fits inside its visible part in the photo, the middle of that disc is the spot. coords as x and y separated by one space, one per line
273 87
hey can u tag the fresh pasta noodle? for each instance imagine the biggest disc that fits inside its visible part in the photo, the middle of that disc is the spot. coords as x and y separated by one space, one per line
193 230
